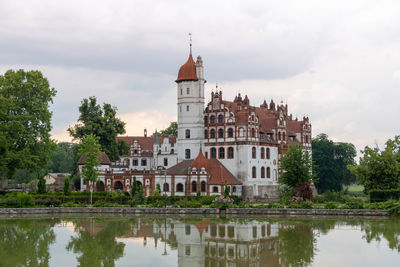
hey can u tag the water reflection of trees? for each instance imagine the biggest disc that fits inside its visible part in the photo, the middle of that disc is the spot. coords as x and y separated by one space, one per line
378 230
26 242
96 242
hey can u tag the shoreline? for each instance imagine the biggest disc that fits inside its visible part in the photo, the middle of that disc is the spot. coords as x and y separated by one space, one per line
204 211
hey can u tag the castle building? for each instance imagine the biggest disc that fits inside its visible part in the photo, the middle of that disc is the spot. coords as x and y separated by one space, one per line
222 143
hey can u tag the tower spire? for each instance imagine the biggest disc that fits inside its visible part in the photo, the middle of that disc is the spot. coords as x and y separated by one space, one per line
190 42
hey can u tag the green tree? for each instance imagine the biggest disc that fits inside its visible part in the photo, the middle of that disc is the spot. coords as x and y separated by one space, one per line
62 159
296 165
226 189
101 122
41 185
90 149
134 187
379 169
67 186
25 121
331 160
172 129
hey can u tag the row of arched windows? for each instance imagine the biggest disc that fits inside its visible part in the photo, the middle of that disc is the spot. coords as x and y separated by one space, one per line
282 136
220 133
212 119
264 153
265 172
221 153
180 188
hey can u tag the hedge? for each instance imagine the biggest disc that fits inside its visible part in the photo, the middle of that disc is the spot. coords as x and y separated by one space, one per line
384 194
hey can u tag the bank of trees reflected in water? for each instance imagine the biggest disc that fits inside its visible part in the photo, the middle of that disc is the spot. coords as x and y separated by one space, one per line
198 241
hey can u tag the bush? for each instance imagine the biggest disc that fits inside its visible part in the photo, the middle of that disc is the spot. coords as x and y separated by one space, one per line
383 195
329 196
18 200
68 204
306 205
354 204
331 205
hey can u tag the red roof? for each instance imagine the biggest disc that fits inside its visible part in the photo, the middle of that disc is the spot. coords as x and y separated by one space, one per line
103 159
187 72
200 162
146 142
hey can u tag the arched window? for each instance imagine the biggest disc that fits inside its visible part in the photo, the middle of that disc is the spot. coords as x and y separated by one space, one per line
220 118
213 153
221 133
253 134
306 138
284 136
230 152
205 120
230 132
100 186
187 153
262 172
212 133
253 152
279 136
254 172
234 189
165 161
179 187
221 153
203 186
205 134
187 133
215 189
194 186
262 153
172 151
187 91
212 119
268 153
268 172
166 187
187 108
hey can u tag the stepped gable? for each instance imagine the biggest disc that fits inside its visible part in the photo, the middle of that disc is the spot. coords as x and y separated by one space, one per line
103 159
146 142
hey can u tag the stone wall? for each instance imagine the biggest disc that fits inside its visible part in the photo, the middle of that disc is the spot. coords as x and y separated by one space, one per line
233 211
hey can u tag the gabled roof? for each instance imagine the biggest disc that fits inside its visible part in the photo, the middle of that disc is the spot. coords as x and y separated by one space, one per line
103 159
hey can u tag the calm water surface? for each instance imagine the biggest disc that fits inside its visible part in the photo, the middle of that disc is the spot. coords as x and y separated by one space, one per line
198 241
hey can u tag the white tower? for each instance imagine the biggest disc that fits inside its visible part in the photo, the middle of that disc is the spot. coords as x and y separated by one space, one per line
190 84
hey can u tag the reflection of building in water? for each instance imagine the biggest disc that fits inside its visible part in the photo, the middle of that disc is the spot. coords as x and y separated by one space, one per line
205 243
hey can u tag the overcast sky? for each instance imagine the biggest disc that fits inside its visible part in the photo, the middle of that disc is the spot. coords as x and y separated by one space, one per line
337 62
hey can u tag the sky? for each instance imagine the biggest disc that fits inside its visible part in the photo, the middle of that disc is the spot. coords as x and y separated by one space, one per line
337 62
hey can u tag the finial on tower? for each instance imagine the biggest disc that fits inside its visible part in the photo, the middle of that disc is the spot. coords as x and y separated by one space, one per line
190 41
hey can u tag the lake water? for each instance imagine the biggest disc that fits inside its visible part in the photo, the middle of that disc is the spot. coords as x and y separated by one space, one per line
198 241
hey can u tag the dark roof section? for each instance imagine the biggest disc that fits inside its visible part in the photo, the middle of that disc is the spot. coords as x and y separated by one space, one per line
103 159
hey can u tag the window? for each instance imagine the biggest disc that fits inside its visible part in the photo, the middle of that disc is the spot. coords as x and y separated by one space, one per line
220 118
165 162
262 153
262 172
205 134
179 187
254 172
234 189
194 186
284 136
306 138
212 133
221 133
215 189
187 108
187 133
268 154
135 162
187 153
205 120
213 153
253 134
254 232
268 172
231 231
221 153
279 136
187 250
212 119
230 152
187 91
187 229
166 187
181 91
203 186
172 151
263 230
230 132
221 232
253 152
144 162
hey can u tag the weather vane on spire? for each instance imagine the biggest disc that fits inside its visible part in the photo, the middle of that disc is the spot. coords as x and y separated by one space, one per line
190 41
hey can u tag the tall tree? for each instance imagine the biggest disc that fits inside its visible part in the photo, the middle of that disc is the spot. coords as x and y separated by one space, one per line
90 149
379 169
101 122
331 160
25 122
172 129
63 158
296 165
